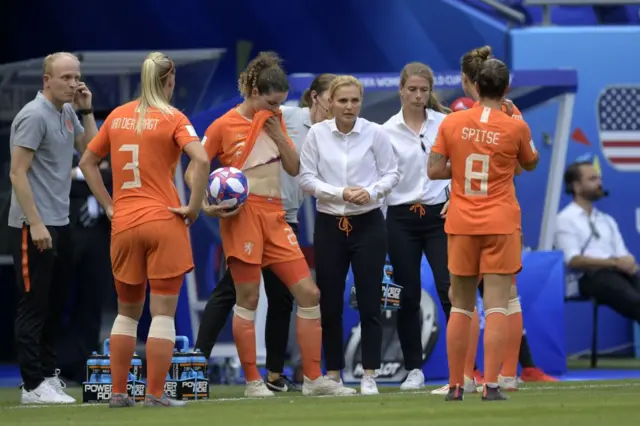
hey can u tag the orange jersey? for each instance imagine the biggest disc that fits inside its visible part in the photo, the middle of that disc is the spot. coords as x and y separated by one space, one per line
484 146
240 142
143 166
516 112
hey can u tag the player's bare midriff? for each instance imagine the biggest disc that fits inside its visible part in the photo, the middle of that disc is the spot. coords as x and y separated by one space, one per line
264 180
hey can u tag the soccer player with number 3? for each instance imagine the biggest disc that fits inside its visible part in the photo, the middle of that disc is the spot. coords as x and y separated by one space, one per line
149 239
484 146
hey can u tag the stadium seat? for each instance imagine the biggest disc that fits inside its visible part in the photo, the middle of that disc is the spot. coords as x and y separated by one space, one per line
594 335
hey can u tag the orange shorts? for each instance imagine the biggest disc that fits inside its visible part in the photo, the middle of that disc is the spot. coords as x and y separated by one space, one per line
471 255
153 250
259 234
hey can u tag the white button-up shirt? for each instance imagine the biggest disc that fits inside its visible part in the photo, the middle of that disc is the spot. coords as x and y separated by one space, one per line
330 161
593 235
413 152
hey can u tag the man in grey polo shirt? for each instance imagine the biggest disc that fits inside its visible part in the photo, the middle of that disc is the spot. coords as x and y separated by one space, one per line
43 135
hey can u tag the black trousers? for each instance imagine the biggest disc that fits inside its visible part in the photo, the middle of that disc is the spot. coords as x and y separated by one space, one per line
221 302
614 288
365 249
410 235
43 281
91 295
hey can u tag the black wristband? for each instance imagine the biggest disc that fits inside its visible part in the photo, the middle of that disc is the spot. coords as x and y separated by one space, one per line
85 111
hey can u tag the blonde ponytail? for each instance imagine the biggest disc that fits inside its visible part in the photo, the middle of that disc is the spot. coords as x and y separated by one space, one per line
153 76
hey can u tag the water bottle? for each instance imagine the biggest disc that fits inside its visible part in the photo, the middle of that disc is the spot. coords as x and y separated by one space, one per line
173 369
105 369
198 365
387 282
183 365
135 373
387 277
93 368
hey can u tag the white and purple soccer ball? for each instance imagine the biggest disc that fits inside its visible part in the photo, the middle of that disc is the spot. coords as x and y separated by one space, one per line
228 187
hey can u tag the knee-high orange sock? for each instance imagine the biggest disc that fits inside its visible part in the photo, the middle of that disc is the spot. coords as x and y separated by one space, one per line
159 353
457 343
160 344
244 334
122 345
495 337
514 337
309 334
122 348
472 349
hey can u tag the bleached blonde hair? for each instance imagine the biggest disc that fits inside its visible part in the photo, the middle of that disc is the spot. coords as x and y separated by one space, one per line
153 77
344 80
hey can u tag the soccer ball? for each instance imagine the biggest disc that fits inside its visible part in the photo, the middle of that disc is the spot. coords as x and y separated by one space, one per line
228 188
461 104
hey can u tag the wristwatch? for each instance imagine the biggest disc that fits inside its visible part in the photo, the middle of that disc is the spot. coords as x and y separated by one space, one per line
85 111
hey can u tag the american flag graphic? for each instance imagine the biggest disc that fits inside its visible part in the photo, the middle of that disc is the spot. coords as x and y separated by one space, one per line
619 126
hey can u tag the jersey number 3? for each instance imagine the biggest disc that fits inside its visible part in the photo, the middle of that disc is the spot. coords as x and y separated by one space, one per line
482 176
133 166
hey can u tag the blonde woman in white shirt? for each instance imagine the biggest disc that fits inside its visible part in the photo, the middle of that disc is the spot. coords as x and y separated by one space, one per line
415 211
349 165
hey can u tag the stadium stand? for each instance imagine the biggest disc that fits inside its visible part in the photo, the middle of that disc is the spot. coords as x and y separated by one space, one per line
561 12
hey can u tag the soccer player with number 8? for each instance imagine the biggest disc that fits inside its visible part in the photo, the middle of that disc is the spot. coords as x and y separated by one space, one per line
483 225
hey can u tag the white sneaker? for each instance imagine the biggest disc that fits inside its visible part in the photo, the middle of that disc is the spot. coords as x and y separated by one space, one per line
325 386
508 383
257 389
59 386
43 394
368 386
470 386
414 381
444 390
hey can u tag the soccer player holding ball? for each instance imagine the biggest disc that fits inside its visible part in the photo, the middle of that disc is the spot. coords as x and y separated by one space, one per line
252 137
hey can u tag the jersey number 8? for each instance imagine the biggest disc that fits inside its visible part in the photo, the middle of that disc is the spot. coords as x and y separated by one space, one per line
482 176
133 166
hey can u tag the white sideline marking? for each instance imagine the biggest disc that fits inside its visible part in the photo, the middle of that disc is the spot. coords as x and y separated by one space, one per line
427 391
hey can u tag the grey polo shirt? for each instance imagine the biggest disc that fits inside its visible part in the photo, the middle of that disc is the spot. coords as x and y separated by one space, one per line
42 128
298 122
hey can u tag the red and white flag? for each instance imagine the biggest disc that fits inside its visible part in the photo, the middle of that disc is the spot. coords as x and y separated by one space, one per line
619 126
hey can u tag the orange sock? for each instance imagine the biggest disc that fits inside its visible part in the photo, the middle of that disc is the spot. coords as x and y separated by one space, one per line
122 344
122 348
457 343
309 334
244 334
512 349
159 354
495 338
472 349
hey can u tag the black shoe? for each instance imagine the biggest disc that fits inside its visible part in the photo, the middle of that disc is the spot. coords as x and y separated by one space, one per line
283 384
456 393
493 394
